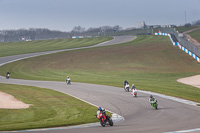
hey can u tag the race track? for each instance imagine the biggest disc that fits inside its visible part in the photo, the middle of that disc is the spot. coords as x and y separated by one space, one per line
139 116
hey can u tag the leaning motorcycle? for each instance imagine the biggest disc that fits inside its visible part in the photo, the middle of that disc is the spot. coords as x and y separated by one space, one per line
154 104
126 87
134 93
104 118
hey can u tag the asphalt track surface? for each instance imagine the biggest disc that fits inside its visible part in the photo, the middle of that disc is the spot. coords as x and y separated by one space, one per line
139 116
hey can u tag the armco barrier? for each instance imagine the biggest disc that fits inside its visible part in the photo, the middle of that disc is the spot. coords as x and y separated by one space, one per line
180 46
183 41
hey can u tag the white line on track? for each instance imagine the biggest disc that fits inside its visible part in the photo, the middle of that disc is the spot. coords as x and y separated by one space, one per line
186 131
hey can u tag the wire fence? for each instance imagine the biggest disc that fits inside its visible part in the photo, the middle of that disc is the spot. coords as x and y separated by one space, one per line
183 41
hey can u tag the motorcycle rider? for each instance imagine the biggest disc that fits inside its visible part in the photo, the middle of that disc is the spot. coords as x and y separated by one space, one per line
68 79
152 99
133 88
99 111
8 75
126 85
103 117
125 82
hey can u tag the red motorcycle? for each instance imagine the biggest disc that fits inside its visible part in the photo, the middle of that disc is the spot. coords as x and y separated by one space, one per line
104 118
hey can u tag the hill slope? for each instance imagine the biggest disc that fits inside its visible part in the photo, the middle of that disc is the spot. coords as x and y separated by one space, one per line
150 62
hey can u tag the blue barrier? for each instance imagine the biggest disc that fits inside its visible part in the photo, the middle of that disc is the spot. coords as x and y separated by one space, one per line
180 46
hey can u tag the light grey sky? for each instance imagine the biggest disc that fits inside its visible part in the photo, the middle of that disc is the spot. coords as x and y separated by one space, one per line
63 15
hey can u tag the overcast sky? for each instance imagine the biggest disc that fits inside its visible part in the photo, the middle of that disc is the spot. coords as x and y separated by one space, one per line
63 15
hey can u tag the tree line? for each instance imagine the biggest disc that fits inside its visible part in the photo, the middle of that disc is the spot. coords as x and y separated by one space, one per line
197 22
31 34
43 33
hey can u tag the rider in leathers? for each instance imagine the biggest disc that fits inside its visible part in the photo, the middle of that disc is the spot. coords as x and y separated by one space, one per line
125 82
133 88
152 99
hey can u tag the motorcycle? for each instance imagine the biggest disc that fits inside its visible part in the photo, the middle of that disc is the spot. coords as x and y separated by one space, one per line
126 87
134 90
7 76
68 82
134 93
104 118
154 104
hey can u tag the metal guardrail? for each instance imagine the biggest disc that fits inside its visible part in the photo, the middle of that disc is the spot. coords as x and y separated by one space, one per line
183 41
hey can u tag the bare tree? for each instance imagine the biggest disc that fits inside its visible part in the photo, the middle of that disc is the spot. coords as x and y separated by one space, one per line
78 29
197 22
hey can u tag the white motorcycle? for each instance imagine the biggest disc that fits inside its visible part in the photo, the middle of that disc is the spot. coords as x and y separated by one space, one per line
8 76
126 87
68 81
134 93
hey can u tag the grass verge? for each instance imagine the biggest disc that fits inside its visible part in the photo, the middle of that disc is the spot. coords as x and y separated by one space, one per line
152 63
183 28
49 109
195 34
22 47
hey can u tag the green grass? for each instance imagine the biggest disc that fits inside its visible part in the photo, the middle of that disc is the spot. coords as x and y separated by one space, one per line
183 28
49 109
133 32
152 63
195 34
22 47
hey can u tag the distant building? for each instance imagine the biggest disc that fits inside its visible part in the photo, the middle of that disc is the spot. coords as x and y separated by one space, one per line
153 26
131 28
169 26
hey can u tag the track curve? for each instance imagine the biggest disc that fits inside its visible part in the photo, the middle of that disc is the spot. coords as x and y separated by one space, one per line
139 115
